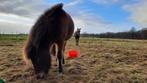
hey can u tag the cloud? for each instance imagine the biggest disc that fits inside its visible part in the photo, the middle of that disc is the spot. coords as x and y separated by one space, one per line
114 2
91 22
20 15
12 18
31 8
73 3
86 18
11 23
105 1
138 12
9 28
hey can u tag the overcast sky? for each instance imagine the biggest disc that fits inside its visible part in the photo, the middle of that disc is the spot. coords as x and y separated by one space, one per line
93 16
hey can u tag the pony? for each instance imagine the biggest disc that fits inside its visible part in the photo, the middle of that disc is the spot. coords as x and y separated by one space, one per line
48 38
77 35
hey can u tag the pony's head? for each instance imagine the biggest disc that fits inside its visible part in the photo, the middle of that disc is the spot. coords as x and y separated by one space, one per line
78 29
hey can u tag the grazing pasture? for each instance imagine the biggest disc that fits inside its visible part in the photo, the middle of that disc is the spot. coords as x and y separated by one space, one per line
100 61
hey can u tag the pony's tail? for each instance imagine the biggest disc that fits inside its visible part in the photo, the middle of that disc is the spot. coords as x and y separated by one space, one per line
25 55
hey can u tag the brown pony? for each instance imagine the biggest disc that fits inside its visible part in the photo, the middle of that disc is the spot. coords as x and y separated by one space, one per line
50 32
77 35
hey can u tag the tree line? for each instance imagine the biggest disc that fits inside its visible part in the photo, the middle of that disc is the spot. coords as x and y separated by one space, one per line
131 34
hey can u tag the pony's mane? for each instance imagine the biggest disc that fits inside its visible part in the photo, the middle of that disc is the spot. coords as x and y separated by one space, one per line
48 19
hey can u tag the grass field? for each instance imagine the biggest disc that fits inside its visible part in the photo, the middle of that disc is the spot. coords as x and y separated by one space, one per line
100 61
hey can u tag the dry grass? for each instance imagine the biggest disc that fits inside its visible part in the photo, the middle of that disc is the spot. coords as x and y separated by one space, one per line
100 61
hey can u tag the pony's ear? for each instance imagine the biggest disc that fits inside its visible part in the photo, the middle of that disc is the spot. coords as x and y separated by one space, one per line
78 28
53 10
56 7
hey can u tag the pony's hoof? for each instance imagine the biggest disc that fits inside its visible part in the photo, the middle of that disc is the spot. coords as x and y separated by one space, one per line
60 74
41 76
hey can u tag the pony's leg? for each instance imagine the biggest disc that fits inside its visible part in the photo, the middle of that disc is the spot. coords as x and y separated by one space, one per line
75 40
63 51
60 57
78 41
